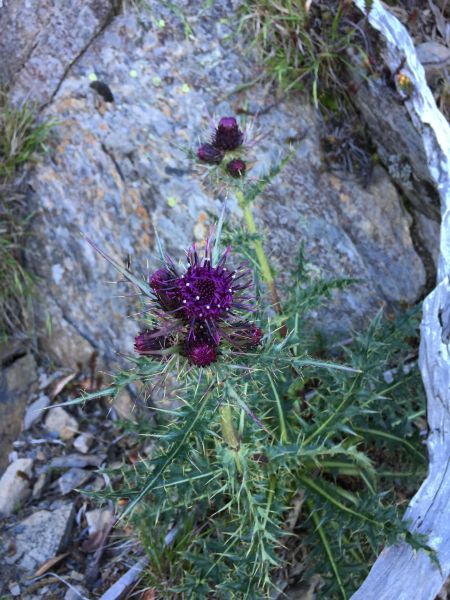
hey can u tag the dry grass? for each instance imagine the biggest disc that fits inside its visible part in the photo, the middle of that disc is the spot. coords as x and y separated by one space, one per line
305 44
21 137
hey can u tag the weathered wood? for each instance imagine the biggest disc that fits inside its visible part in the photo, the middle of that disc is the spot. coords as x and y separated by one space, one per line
400 573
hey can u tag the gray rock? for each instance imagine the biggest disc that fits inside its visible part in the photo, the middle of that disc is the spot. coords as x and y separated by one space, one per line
99 520
15 590
399 144
40 484
15 485
17 383
76 592
434 57
42 535
77 461
35 411
12 349
72 479
59 421
115 170
83 442
123 405
41 44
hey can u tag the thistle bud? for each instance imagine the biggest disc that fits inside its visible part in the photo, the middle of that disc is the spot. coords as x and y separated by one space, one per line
236 168
210 154
228 136
151 341
201 352
162 283
245 336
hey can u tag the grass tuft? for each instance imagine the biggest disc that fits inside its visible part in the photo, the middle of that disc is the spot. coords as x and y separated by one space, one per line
21 137
305 45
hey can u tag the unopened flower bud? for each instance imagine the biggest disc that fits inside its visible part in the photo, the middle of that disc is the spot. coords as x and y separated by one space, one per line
201 353
151 342
236 168
210 154
228 136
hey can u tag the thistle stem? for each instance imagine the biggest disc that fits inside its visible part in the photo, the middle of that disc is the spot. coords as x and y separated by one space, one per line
259 250
229 433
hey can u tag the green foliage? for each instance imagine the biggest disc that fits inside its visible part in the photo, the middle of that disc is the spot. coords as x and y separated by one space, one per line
257 430
16 284
21 136
291 445
305 48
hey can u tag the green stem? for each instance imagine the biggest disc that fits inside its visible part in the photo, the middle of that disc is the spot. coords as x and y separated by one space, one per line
229 433
270 495
266 271
283 428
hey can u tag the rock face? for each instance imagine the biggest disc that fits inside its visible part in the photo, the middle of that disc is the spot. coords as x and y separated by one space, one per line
44 39
17 381
115 169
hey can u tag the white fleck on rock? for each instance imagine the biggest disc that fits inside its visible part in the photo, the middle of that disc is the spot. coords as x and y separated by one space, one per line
15 485
42 536
57 273
35 410
59 421
83 442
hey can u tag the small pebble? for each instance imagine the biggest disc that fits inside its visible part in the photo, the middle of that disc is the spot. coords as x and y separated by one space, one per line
83 442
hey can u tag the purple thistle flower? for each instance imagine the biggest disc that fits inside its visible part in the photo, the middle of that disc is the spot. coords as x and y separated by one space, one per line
210 296
202 354
236 168
151 342
228 136
200 351
163 284
244 335
210 154
205 298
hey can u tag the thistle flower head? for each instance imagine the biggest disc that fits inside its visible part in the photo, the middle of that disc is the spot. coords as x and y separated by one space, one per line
207 296
163 284
151 342
199 306
210 154
228 136
236 168
201 351
244 335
